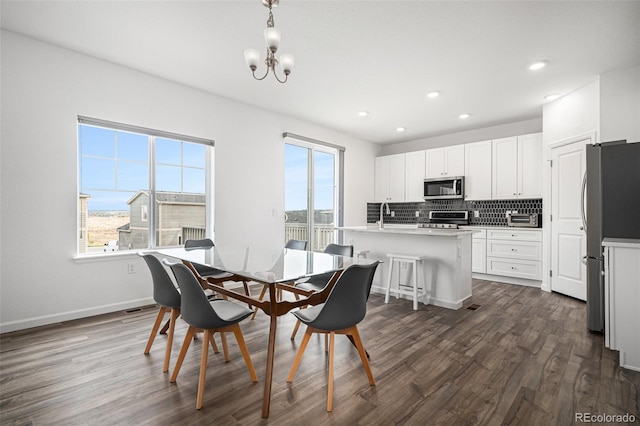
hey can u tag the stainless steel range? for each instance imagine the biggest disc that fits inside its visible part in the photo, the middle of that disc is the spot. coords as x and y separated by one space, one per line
446 219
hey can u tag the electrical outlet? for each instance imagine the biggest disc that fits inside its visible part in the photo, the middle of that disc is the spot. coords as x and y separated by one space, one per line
393 214
476 213
131 268
417 213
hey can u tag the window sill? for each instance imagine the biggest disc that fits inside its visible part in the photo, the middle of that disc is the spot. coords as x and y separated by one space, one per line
99 257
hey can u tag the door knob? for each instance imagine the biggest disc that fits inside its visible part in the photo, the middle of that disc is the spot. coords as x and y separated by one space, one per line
582 228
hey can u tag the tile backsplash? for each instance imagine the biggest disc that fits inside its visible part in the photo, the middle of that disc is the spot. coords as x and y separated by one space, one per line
490 212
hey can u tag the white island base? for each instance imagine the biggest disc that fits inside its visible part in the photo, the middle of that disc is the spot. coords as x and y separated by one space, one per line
446 272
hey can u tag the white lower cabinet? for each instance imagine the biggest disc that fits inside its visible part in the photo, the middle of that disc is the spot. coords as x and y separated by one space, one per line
508 252
479 252
621 297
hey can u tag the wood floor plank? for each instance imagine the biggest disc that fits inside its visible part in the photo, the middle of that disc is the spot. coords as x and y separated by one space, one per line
523 357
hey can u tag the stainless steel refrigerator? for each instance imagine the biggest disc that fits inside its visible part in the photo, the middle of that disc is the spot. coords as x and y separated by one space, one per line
612 191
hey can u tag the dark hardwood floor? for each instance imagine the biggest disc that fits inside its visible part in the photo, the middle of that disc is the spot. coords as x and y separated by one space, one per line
523 357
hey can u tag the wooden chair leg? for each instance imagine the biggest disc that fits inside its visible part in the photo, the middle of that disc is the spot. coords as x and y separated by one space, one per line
175 313
225 348
247 292
183 351
214 345
303 346
203 368
245 352
363 354
262 293
332 338
164 328
154 330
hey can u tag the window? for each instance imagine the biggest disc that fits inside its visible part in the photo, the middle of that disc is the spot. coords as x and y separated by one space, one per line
139 188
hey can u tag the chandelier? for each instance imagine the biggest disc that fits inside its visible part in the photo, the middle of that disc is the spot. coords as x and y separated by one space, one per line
272 38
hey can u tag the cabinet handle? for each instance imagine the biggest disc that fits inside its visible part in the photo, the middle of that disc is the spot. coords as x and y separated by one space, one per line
514 249
514 268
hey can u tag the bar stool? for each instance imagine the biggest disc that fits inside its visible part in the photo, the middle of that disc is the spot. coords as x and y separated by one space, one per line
416 262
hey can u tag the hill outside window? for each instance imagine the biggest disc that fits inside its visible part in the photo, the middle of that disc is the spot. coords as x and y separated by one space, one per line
139 188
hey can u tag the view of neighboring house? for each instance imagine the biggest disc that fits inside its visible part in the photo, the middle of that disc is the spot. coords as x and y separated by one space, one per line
178 217
83 227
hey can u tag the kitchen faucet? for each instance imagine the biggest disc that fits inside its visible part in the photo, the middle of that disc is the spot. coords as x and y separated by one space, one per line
381 223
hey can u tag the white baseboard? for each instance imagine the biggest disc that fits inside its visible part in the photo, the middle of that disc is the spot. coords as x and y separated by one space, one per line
23 324
508 280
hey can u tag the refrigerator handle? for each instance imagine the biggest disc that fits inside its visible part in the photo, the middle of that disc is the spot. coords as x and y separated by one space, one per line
582 200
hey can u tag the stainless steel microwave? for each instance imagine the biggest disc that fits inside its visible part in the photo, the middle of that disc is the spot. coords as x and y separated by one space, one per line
447 188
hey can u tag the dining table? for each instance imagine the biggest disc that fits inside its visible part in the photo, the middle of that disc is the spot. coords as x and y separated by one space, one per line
277 269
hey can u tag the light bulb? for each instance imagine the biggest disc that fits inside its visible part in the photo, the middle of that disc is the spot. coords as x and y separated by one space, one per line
252 57
272 38
286 63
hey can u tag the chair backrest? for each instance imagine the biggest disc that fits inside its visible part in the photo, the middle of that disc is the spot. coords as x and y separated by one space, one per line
296 245
340 250
203 243
335 249
195 308
164 292
346 305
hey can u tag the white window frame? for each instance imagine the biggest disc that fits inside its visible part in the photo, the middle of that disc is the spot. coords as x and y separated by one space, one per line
152 134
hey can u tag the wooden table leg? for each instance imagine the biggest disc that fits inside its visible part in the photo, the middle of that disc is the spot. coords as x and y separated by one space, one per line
271 349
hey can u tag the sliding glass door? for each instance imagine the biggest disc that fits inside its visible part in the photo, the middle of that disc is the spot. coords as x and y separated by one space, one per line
310 193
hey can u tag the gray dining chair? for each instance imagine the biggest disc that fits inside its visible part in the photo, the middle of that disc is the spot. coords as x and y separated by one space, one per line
167 296
344 309
296 245
293 245
206 274
318 282
211 316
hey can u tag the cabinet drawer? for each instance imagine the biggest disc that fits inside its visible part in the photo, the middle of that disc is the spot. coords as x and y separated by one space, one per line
514 234
527 250
514 268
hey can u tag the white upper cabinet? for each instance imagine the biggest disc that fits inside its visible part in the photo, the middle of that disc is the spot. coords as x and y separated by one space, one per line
517 167
414 163
477 171
443 162
389 178
530 166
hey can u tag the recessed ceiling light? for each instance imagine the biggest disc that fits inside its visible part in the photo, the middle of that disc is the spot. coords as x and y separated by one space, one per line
463 116
552 97
363 113
433 94
400 129
538 65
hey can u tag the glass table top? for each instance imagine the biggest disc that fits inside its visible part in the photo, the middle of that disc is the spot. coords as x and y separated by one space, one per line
264 265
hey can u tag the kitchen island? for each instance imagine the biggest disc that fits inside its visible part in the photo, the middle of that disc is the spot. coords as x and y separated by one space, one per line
446 273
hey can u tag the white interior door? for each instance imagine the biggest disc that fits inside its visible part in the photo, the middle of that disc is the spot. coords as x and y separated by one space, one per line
568 239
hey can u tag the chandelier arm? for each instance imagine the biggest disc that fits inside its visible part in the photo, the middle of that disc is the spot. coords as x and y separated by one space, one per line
280 81
263 77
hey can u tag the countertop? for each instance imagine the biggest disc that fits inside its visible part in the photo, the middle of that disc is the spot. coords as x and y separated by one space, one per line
409 230
621 242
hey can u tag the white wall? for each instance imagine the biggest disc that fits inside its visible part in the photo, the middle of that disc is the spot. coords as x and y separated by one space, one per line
493 132
575 114
620 105
44 89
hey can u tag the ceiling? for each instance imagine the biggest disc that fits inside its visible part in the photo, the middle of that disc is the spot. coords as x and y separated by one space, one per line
378 56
